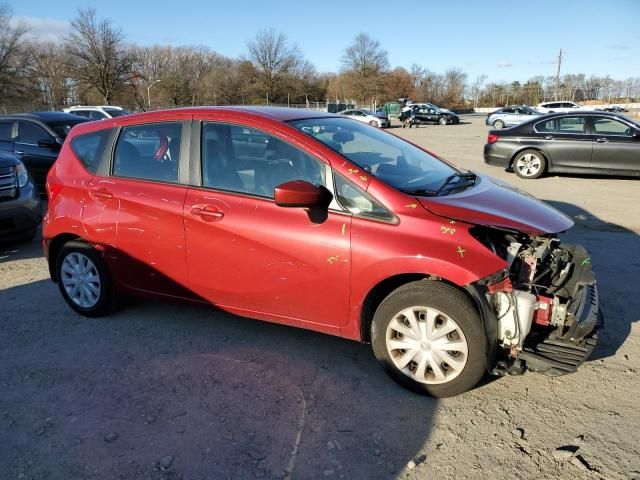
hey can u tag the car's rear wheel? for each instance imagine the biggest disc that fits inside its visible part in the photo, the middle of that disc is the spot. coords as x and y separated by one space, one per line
498 124
443 121
429 338
373 123
529 164
84 280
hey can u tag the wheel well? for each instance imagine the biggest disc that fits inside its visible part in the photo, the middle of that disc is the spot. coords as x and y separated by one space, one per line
529 148
54 249
378 293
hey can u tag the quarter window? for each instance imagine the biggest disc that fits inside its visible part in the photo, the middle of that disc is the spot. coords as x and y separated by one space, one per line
88 148
608 126
247 160
358 202
148 152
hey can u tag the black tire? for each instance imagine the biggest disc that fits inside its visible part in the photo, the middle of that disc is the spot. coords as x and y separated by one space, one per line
443 121
525 173
457 306
107 298
498 124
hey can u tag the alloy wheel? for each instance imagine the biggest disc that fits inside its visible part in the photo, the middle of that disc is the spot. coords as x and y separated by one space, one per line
528 164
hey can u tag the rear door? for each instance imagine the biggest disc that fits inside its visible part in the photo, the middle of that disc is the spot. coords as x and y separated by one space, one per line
614 146
37 148
568 142
248 255
135 207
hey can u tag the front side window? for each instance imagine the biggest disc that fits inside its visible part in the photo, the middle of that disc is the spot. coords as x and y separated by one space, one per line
246 160
31 134
572 125
148 152
609 126
63 127
391 159
96 115
508 110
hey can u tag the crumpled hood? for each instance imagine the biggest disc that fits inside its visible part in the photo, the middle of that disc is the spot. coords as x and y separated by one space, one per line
494 203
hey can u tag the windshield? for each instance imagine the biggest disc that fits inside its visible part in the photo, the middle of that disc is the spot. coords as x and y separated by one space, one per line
385 156
116 112
62 128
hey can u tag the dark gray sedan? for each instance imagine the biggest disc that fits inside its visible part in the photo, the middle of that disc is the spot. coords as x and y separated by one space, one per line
587 142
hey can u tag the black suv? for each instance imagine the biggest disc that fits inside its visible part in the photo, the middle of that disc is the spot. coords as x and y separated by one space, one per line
35 139
19 201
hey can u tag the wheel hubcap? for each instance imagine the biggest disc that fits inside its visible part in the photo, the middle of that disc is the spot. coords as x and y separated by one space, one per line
426 345
80 279
528 164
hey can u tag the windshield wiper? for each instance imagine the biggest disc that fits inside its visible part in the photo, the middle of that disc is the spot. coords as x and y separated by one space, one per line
422 192
467 177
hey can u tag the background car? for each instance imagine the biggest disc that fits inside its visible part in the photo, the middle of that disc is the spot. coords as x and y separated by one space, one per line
558 107
366 116
20 211
589 142
510 116
97 112
35 139
615 108
429 113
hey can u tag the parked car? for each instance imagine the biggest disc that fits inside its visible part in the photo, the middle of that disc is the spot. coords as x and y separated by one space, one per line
36 138
313 220
429 113
98 112
366 116
615 108
559 107
510 116
20 209
591 142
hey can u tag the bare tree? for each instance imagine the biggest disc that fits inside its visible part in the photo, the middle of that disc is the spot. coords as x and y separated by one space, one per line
12 59
476 88
48 73
99 57
274 59
365 60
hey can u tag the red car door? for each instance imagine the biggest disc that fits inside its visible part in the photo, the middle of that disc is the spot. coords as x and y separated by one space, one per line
136 212
246 254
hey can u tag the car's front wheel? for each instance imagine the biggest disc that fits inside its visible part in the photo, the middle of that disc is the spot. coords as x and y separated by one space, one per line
84 280
429 338
443 121
529 164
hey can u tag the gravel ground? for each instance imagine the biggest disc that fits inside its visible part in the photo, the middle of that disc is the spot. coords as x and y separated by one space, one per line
172 391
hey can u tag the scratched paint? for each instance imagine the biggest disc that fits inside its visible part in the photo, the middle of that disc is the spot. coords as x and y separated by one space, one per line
335 259
353 171
344 228
363 178
411 205
461 251
444 229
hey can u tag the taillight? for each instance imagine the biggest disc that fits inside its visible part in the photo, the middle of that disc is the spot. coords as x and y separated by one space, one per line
492 138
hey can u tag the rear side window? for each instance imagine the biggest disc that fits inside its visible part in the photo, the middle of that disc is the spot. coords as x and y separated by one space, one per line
572 125
88 148
6 131
31 134
148 152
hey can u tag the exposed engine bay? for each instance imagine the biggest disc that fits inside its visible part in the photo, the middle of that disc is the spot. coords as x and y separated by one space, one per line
546 302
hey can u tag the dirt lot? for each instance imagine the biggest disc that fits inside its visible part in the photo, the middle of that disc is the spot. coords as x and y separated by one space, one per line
171 391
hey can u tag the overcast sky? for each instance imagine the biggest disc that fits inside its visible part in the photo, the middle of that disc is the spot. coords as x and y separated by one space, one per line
503 40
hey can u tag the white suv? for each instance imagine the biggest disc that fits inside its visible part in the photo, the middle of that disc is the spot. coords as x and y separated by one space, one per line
97 112
559 107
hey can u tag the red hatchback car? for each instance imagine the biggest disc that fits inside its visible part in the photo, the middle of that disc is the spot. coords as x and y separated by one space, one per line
321 222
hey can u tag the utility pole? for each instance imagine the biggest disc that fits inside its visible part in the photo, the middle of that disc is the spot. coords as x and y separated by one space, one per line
558 74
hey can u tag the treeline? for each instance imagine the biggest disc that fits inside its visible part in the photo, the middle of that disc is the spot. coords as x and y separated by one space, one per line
95 64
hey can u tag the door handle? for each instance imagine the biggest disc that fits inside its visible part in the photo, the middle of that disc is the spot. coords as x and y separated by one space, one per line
19 152
207 213
101 193
601 140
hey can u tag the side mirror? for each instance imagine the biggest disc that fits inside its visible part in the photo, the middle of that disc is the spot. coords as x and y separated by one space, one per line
298 193
636 134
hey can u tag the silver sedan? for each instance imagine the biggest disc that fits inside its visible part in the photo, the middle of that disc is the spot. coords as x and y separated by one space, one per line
510 116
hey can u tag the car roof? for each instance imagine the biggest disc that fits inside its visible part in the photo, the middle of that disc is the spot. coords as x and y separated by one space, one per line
282 114
44 116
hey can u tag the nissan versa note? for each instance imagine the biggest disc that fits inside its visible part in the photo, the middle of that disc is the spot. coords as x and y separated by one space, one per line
312 220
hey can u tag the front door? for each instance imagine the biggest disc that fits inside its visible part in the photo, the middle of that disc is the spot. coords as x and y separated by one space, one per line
250 256
614 146
135 213
37 149
569 142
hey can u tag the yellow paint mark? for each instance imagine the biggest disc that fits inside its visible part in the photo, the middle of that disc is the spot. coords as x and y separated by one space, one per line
461 251
411 205
452 222
363 178
344 228
445 229
353 170
332 260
